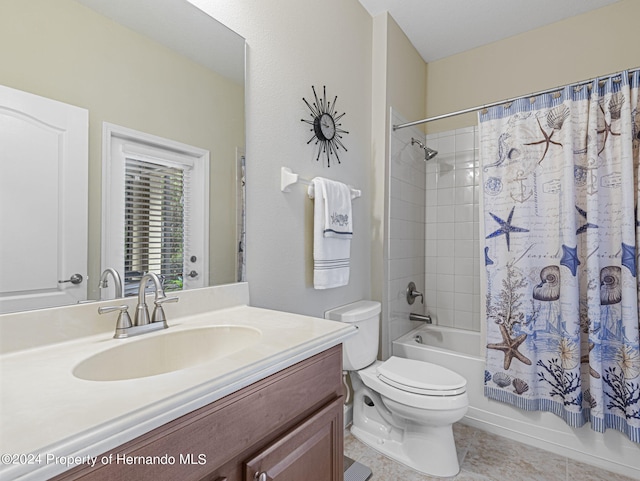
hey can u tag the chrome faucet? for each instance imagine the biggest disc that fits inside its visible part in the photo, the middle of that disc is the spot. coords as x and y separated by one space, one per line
420 317
141 323
142 311
117 280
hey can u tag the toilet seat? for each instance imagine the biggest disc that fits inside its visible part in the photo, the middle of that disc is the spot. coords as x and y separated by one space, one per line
443 401
421 377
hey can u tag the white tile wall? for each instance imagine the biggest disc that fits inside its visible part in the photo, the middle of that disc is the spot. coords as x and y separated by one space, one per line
452 271
406 240
433 230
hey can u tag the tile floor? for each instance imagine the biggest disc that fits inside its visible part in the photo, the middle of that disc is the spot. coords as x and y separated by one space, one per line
484 457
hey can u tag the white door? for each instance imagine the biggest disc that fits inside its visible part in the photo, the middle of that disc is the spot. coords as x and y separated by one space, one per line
43 201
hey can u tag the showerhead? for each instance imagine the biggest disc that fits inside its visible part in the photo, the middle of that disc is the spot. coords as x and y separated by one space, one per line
429 153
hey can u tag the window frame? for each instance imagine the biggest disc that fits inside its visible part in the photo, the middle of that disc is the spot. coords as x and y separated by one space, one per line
119 142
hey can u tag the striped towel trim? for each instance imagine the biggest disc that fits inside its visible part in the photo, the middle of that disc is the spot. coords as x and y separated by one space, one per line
330 264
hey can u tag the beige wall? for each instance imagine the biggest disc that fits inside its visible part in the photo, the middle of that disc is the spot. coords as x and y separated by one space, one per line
292 45
64 51
406 74
399 78
379 142
596 43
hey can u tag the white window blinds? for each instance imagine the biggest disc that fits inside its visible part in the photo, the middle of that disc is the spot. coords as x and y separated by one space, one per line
156 220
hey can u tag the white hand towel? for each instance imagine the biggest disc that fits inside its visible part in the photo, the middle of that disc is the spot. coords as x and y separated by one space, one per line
331 255
337 209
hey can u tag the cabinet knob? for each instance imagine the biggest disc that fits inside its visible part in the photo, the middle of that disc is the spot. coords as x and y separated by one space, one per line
261 476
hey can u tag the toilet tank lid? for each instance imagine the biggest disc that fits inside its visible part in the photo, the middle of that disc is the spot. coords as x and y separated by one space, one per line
354 312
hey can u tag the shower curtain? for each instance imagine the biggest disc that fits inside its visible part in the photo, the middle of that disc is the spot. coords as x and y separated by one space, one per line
560 185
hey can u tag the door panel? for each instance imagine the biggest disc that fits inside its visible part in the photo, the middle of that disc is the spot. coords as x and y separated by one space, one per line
43 201
310 452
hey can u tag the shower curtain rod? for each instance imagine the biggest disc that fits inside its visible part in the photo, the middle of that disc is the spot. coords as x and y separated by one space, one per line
501 102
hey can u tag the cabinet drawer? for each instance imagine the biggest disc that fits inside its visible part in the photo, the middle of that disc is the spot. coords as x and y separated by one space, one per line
230 429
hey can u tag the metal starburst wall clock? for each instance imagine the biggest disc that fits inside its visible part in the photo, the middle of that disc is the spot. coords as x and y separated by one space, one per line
326 127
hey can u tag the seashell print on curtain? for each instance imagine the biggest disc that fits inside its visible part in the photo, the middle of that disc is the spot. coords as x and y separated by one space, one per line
561 181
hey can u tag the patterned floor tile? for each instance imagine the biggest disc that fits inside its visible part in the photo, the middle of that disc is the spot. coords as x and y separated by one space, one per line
484 457
501 458
585 472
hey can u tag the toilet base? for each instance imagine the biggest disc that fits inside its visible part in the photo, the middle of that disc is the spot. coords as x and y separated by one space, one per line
429 449
435 457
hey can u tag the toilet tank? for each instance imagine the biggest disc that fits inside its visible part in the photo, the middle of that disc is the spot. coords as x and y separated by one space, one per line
361 349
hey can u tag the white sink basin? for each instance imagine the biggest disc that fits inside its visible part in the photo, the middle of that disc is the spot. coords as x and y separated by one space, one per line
167 352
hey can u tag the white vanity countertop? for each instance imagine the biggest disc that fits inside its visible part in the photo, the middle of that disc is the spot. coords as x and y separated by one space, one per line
46 410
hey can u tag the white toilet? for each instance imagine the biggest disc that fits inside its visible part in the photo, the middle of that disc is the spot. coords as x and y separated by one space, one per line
402 408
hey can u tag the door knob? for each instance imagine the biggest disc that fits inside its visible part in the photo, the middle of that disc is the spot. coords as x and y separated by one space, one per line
193 274
74 279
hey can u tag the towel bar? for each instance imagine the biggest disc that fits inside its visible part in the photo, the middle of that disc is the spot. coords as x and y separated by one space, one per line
287 178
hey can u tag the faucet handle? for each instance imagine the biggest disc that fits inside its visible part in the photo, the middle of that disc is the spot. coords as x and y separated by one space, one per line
158 311
418 294
161 300
412 293
124 320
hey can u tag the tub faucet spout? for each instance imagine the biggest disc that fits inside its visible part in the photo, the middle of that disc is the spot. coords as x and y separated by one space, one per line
420 317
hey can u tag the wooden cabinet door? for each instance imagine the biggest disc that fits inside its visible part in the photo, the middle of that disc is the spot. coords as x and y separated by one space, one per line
312 451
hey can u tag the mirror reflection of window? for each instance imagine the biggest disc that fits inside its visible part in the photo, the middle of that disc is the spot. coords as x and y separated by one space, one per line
155 222
155 209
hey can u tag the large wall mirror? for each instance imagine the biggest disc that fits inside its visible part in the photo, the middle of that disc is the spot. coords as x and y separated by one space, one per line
161 67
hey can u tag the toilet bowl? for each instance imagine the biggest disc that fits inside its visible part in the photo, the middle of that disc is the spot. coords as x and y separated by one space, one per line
409 423
403 408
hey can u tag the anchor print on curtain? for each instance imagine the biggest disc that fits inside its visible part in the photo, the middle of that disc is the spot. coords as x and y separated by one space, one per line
560 182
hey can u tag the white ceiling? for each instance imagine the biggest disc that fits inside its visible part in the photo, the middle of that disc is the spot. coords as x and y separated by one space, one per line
439 28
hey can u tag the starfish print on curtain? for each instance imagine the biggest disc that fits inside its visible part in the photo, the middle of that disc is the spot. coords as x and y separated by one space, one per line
546 141
505 228
510 348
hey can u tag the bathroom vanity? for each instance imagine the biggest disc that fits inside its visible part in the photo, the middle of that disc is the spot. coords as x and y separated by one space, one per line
288 425
264 403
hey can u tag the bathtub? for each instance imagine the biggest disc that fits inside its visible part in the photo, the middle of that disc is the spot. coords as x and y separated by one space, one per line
461 351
